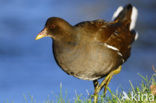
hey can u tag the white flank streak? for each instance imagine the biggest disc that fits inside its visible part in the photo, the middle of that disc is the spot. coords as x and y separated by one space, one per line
133 18
123 60
116 13
136 36
119 54
111 47
116 49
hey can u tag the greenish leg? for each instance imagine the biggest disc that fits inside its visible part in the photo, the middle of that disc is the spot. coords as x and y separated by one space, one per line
109 77
106 85
96 85
104 82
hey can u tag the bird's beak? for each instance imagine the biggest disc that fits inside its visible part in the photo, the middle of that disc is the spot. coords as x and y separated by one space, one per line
42 34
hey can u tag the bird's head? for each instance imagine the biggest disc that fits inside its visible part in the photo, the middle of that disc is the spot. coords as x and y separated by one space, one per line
56 28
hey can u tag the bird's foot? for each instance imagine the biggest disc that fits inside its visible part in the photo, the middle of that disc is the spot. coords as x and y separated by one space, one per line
109 77
105 83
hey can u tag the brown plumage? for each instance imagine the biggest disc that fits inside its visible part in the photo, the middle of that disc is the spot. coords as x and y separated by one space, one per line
90 50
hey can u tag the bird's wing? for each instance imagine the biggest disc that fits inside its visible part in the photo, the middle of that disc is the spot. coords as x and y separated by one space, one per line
94 28
120 34
121 39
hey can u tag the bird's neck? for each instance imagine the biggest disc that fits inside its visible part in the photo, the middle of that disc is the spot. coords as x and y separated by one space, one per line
67 41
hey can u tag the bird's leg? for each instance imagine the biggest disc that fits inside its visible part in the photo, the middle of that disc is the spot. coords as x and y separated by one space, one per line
96 85
104 82
107 80
98 88
109 77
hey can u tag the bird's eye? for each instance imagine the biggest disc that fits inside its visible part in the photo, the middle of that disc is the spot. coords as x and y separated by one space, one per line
52 26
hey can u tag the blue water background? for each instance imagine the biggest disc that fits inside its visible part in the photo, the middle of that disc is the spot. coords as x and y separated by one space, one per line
27 67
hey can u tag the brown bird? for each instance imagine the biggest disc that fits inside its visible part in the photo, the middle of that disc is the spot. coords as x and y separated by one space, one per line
91 50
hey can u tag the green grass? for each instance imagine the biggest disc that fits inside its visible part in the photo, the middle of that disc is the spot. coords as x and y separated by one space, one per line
140 93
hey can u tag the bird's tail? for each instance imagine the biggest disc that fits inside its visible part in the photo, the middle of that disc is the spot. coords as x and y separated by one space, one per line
127 14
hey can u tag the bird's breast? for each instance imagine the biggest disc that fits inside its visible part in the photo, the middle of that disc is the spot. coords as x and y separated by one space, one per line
87 61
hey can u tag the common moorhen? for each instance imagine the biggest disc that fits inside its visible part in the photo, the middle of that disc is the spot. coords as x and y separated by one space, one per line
91 50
